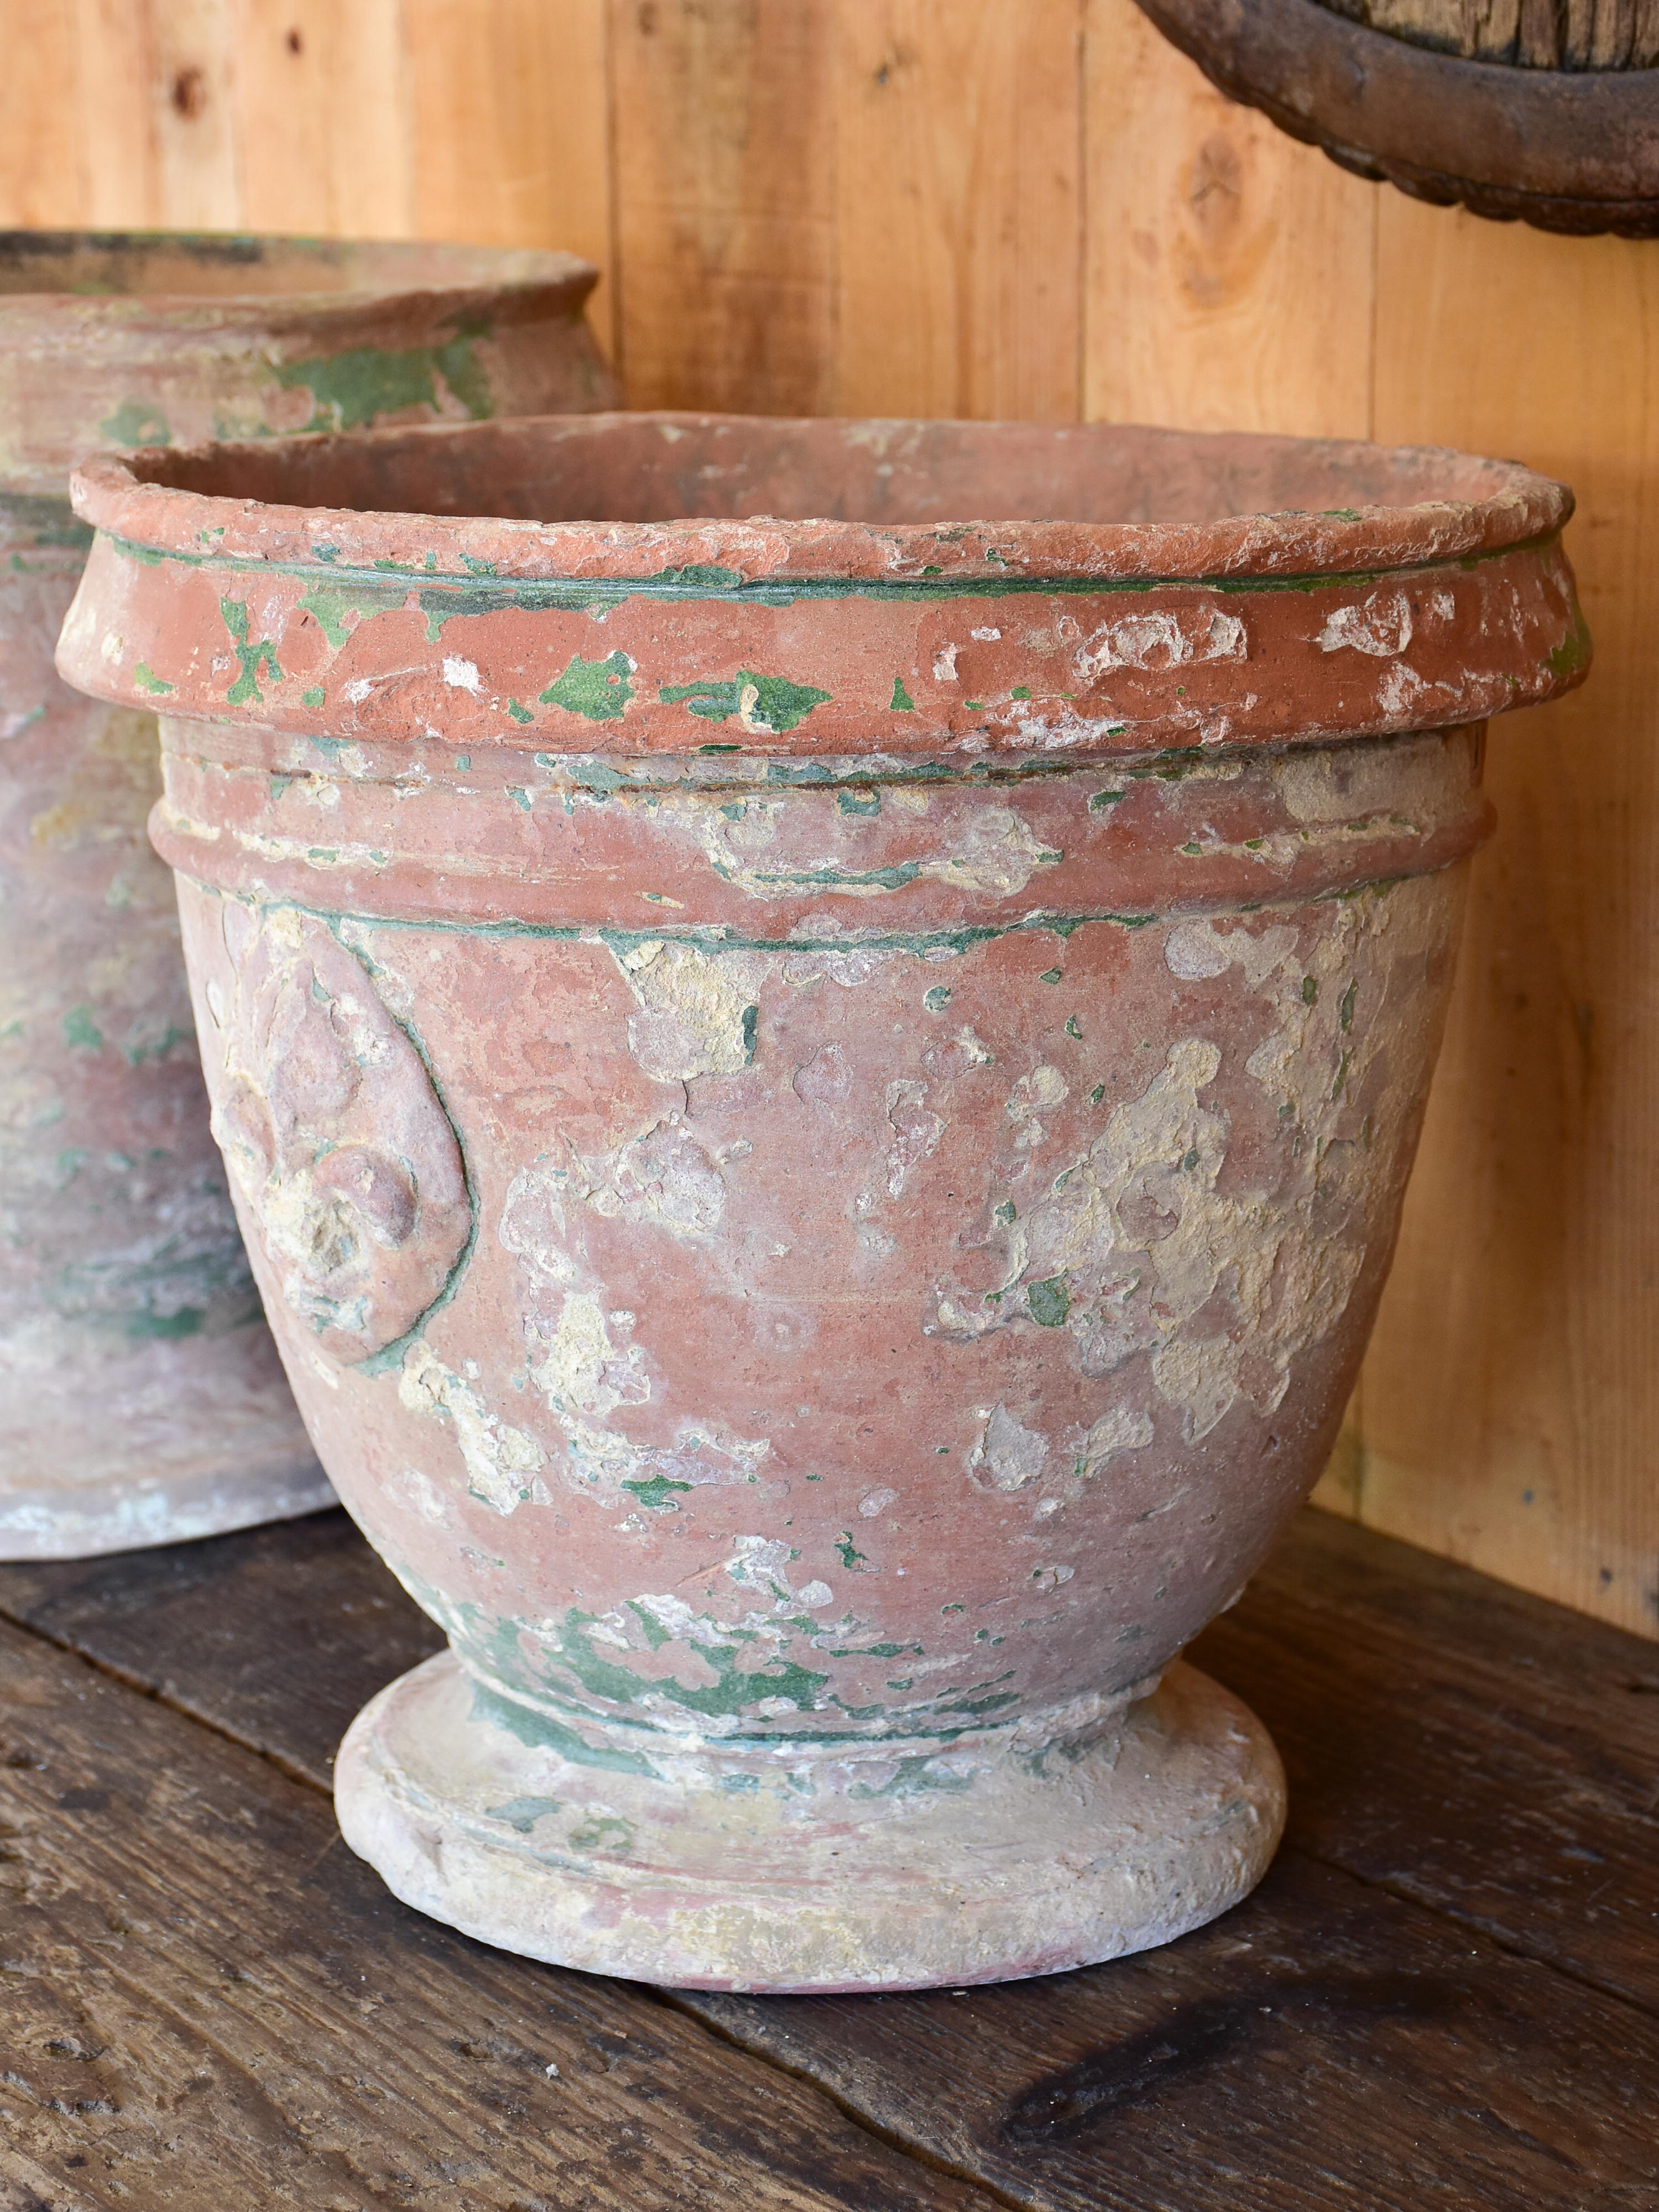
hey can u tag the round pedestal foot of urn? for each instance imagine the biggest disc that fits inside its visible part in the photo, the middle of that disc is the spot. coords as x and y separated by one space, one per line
811 1867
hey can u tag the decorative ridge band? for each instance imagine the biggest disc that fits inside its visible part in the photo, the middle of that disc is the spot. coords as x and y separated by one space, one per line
715 937
1074 1721
1016 665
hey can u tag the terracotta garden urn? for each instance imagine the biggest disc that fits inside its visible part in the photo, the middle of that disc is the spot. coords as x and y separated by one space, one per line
141 1398
818 1030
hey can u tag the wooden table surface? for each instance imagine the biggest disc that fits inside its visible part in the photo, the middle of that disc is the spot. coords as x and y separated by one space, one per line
1445 1994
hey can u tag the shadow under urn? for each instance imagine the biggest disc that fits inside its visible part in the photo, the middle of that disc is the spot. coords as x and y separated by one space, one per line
821 1107
141 1397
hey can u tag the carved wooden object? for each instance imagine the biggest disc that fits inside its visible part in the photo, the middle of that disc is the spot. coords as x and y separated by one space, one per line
1513 108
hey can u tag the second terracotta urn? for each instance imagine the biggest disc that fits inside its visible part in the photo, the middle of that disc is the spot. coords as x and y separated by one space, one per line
141 1400
818 1030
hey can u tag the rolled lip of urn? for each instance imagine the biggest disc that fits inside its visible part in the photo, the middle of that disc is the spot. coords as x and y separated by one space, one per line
820 1094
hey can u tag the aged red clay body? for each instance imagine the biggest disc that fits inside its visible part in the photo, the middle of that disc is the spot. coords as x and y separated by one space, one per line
822 1109
141 1398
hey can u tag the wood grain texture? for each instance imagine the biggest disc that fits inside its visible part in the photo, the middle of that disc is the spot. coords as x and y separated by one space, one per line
1229 273
210 2003
532 165
41 141
211 1629
190 91
959 217
1461 1744
1320 2046
723 153
1462 1758
1511 1396
1570 34
111 119
322 116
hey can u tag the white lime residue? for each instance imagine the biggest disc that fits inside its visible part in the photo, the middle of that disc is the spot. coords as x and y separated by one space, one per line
998 853
1007 1454
916 1131
579 1368
666 1641
1044 1087
1380 624
1153 1242
502 1462
1123 1429
663 1176
1347 795
762 1563
983 848
1420 779
696 1011
1161 638
582 1361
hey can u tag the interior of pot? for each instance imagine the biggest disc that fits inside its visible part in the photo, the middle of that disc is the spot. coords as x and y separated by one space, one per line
663 467
203 264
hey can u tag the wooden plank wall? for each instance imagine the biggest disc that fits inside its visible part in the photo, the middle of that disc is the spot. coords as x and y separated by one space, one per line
1034 208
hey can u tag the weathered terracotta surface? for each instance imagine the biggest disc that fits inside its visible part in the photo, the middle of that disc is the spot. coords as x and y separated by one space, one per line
141 1398
158 338
821 1108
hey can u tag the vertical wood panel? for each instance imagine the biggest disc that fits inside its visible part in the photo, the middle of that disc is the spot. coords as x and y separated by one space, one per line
724 179
113 118
1229 271
191 93
1511 1407
511 125
39 173
322 116
959 214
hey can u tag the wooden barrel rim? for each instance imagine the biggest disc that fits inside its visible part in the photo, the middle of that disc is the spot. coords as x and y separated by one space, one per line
1566 150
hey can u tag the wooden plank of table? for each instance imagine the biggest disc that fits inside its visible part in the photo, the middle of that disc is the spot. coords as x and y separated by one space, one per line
275 1637
1461 1742
1327 2043
1322 2045
211 2003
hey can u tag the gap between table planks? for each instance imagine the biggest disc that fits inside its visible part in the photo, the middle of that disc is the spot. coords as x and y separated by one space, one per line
1445 1987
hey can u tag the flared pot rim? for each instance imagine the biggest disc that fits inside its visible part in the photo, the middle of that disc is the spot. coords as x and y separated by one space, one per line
177 500
377 273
